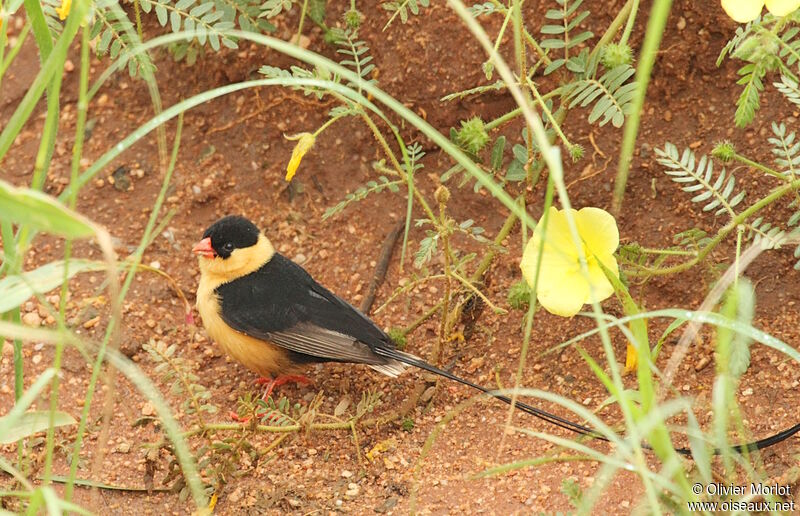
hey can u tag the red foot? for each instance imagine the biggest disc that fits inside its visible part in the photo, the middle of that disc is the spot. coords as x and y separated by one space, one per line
271 383
239 419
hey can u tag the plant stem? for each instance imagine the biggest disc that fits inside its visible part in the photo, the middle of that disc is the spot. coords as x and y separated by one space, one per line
77 151
763 168
548 201
135 260
655 29
302 21
137 13
613 28
444 233
508 225
629 26
556 126
668 252
722 233
326 125
6 61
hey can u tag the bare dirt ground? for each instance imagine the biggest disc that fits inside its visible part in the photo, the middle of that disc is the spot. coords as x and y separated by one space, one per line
232 160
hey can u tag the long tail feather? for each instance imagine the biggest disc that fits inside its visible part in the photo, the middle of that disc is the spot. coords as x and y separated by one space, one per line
566 424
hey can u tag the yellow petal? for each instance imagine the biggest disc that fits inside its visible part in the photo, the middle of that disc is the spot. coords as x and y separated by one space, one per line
631 359
63 11
782 7
559 255
563 288
563 295
743 11
559 244
598 230
304 143
601 288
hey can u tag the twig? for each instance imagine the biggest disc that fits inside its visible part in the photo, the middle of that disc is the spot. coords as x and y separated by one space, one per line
383 265
109 487
692 328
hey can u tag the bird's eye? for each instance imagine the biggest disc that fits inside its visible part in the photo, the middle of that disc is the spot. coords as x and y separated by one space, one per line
228 246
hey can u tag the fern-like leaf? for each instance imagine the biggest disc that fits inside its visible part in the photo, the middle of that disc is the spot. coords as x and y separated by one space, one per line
764 233
115 34
357 52
790 47
401 8
691 239
190 15
698 176
300 73
611 95
790 89
742 33
752 75
565 21
362 192
786 148
484 9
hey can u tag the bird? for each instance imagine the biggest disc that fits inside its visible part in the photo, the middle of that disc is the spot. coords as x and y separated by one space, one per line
270 315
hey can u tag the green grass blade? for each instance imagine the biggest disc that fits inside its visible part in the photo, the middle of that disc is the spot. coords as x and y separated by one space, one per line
41 212
30 423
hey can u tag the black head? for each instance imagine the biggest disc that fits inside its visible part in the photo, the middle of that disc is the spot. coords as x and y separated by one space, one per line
231 233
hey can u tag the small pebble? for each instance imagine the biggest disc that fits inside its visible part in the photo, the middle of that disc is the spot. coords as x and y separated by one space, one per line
346 474
38 358
32 319
148 409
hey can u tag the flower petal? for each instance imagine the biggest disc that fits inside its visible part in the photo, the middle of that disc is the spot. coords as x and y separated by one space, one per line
559 255
63 11
600 286
598 230
304 143
564 294
743 11
782 7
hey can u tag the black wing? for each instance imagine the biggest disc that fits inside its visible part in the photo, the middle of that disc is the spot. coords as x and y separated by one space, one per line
282 303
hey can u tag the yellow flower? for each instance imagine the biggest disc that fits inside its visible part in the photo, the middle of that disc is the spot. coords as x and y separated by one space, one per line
563 288
304 143
63 11
744 11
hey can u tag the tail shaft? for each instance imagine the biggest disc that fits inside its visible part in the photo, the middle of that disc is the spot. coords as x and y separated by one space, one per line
566 424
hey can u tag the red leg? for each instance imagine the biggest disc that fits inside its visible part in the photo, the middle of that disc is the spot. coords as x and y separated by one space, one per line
239 419
271 383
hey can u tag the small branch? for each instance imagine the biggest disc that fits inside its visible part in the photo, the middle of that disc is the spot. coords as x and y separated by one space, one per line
383 265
